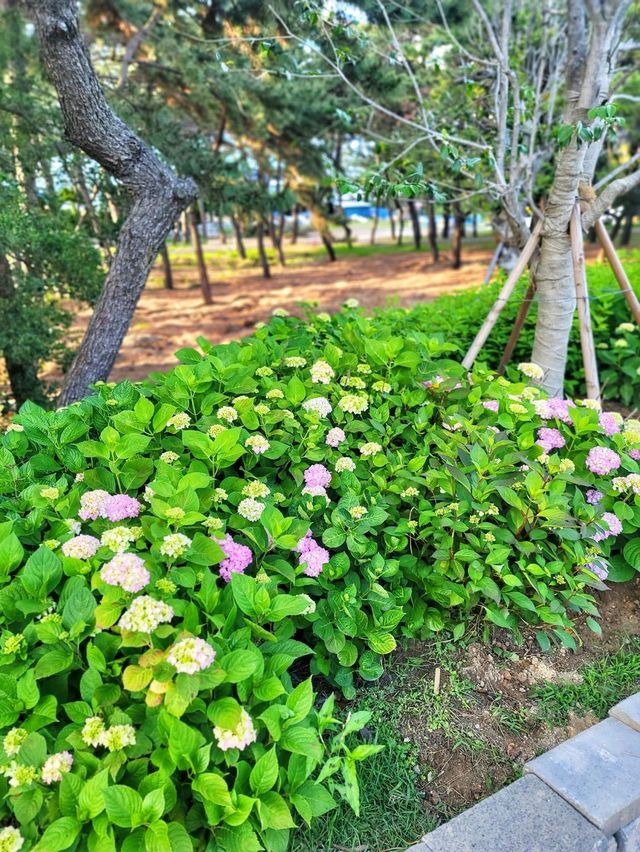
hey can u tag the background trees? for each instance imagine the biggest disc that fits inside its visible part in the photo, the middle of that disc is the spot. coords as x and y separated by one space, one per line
426 108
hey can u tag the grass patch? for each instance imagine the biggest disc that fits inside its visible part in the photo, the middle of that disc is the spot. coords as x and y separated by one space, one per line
391 812
605 682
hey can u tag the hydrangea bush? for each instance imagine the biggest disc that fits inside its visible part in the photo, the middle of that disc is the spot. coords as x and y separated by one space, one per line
180 557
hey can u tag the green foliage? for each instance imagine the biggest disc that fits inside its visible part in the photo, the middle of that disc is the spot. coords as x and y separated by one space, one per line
604 683
437 509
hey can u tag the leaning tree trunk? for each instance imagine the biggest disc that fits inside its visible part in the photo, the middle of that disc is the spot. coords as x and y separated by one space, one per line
295 224
158 196
264 260
237 228
458 233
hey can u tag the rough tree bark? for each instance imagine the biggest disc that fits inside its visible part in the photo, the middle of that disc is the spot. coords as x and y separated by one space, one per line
157 194
433 232
166 266
588 77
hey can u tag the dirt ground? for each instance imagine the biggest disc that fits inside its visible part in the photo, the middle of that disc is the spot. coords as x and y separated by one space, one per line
167 320
486 725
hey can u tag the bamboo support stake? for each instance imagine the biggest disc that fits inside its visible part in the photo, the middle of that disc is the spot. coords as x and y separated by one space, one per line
501 301
618 270
584 311
492 265
517 328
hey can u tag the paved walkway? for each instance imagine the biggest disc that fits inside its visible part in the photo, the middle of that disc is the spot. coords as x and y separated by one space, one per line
582 796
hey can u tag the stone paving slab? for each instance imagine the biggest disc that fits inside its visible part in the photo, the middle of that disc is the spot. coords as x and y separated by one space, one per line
628 837
598 772
526 816
628 711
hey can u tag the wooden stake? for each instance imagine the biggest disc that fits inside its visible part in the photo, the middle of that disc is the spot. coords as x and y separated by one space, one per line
492 265
584 311
501 301
517 328
618 270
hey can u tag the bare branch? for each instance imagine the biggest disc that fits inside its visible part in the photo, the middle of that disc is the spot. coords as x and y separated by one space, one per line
132 47
621 168
607 198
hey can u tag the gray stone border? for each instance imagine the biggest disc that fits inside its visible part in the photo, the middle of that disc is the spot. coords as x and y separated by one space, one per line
582 796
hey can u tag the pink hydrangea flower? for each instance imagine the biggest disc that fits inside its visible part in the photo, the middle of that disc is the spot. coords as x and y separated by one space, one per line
609 423
238 557
553 407
602 460
317 476
92 505
491 404
81 547
635 454
312 556
594 496
120 506
550 439
335 437
126 570
613 527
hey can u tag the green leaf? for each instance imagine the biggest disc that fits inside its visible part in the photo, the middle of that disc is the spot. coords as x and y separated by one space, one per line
295 391
274 812
60 835
54 662
42 573
91 800
225 713
300 701
213 788
265 773
631 553
124 805
239 665
28 691
302 741
11 554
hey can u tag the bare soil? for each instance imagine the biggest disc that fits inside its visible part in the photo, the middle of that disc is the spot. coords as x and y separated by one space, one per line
489 726
167 320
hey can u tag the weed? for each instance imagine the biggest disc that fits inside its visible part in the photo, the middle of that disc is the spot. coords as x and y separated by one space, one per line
604 683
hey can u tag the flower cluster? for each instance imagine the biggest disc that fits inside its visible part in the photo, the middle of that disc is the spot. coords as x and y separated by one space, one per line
613 527
145 614
550 439
491 405
630 482
251 509
257 443
100 504
10 838
317 478
295 361
335 437
179 421
594 497
322 373
602 460
191 655
354 403
312 556
238 557
239 737
344 463
81 547
55 767
610 422
126 570
227 413
117 539
13 740
255 489
318 405
174 545
370 449
531 371
553 408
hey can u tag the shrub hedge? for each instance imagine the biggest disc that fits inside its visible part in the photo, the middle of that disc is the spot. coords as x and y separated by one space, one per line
179 557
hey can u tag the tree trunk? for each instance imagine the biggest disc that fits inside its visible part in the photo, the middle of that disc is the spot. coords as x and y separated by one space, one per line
157 194
400 223
295 224
276 237
374 226
202 266
433 233
264 261
445 222
392 223
328 244
223 236
237 228
474 225
166 266
625 236
415 224
456 242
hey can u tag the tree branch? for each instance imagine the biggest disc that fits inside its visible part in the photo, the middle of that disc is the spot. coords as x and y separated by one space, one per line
158 196
607 197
